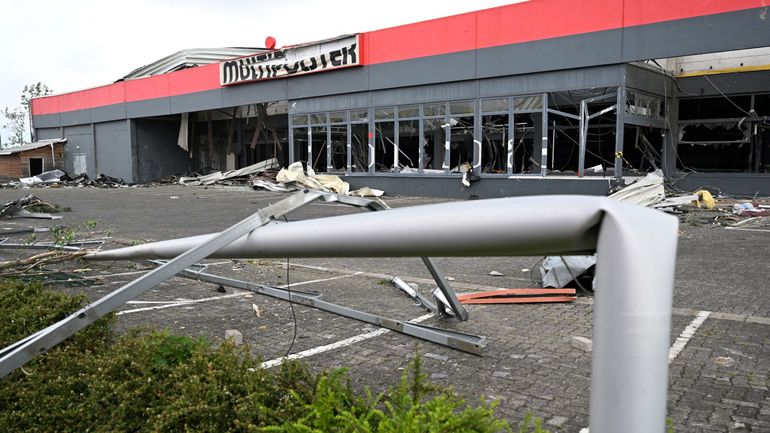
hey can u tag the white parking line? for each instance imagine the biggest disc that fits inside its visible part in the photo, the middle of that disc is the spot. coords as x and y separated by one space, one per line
336 345
180 303
687 334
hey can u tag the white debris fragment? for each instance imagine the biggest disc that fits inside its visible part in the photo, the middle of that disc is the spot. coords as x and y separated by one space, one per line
495 274
257 311
582 343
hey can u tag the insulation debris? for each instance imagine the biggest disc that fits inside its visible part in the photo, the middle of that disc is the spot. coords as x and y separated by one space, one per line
294 178
646 191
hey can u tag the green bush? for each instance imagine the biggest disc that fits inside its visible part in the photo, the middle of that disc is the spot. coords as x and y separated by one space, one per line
159 382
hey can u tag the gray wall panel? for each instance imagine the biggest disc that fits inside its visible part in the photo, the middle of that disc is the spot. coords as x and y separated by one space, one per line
79 152
436 92
150 107
586 78
79 117
47 120
113 149
599 48
331 103
108 113
207 100
158 155
48 133
649 80
252 93
708 34
329 83
436 69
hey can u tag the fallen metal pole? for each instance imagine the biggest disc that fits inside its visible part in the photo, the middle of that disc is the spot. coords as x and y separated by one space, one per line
21 352
636 252
457 340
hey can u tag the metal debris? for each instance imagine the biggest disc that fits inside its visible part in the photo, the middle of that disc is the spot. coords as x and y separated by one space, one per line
229 177
18 208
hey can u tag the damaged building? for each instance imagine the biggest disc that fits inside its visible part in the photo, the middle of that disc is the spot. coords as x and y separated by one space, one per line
550 96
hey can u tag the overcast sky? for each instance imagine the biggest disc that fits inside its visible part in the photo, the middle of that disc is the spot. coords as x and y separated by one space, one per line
75 44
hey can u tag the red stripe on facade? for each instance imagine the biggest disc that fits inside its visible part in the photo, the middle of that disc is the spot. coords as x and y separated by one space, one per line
517 23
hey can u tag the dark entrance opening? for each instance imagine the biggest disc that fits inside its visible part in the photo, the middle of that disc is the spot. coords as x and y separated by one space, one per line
35 166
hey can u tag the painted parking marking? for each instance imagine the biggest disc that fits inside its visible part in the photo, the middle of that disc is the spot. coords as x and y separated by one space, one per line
336 345
687 334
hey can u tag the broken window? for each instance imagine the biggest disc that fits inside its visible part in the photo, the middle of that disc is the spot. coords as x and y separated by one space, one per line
724 133
433 134
339 140
408 136
494 135
359 141
319 142
461 122
301 137
384 139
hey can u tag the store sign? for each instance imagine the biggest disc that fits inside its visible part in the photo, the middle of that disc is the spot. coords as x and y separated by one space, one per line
305 59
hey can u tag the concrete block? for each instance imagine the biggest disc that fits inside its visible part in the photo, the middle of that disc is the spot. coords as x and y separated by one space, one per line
235 336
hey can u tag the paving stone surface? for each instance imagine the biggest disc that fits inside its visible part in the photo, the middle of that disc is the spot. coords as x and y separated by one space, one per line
718 382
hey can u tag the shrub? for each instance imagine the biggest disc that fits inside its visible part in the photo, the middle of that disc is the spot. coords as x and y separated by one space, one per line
160 382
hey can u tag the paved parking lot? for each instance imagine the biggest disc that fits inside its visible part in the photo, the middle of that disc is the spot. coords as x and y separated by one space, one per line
720 329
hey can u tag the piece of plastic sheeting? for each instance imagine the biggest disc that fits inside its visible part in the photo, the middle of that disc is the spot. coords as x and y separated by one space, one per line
557 271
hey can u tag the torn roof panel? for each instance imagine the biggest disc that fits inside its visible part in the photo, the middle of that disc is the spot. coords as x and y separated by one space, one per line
190 58
31 146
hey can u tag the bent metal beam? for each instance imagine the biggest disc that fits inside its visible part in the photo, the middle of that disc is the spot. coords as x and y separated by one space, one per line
636 253
636 249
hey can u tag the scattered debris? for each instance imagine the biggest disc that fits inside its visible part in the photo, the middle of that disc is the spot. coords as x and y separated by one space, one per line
221 289
294 178
518 296
582 343
58 178
234 336
257 311
45 178
18 208
496 274
229 177
749 210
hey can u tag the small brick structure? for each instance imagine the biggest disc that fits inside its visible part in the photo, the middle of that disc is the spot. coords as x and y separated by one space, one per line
33 158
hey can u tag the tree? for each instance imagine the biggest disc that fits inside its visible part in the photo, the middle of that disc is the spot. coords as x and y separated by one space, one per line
17 118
